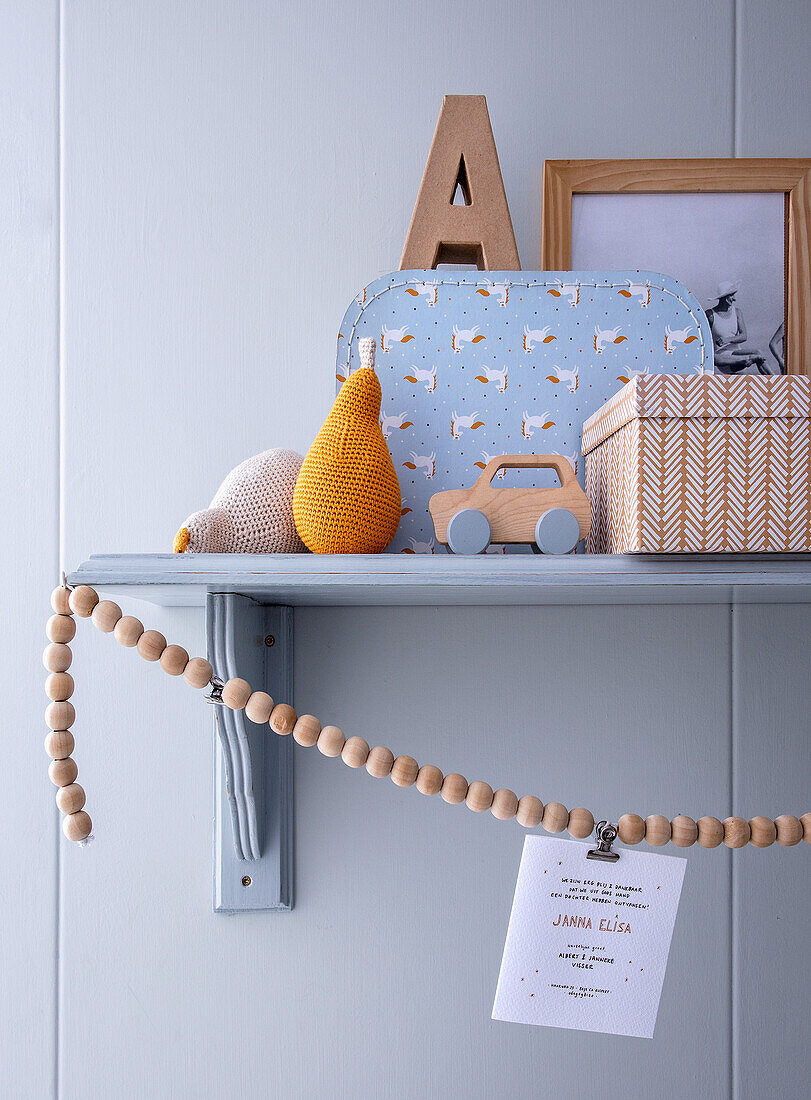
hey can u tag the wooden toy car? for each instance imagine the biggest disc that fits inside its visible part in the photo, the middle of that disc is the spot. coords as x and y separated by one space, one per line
551 520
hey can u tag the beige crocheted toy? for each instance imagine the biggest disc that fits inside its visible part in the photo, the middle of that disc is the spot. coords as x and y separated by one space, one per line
252 511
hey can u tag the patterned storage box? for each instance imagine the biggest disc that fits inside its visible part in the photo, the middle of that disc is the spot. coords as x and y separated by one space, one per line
699 464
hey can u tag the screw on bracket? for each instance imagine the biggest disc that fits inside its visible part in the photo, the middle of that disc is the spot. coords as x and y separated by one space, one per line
270 640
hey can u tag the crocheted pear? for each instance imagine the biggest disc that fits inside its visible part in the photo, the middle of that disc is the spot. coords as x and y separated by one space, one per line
347 498
251 513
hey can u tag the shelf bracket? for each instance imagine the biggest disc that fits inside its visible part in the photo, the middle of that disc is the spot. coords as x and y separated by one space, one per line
253 769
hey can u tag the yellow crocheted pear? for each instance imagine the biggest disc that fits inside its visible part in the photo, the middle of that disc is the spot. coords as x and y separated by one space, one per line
347 497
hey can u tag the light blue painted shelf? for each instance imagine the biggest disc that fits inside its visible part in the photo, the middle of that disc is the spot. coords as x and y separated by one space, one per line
428 580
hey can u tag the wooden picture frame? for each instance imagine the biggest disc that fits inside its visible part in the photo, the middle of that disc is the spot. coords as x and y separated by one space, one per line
792 176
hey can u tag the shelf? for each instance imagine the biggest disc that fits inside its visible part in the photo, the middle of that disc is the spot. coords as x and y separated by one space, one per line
248 600
442 579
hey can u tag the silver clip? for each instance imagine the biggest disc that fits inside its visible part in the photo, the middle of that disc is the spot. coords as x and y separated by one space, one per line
215 695
606 835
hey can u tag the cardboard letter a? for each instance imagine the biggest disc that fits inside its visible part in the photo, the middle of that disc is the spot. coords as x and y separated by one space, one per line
463 158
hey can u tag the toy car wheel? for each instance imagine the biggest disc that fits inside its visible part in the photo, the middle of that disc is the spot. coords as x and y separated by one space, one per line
557 531
468 532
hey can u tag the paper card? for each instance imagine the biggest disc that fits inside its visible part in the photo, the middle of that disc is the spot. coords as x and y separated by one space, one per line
588 942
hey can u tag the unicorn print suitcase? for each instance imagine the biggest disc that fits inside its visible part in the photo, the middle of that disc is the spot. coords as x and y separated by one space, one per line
477 364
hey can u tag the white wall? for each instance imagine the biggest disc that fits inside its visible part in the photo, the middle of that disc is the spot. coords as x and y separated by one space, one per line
231 174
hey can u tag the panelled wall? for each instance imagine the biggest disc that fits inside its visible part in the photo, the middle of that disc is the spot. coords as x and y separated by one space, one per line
191 194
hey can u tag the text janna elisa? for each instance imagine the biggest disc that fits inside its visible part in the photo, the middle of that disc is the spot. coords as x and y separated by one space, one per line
606 924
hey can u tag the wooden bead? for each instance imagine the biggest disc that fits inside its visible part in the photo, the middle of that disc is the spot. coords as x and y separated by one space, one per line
806 820
128 630
77 826
380 762
505 804
789 830
429 780
581 823
60 600
63 772
60 628
404 771
283 720
736 832
710 832
105 615
479 796
555 817
57 657
59 744
259 707
657 830
59 686
235 693
683 831
762 832
454 788
330 741
529 812
60 716
151 644
355 752
174 659
82 600
631 828
198 672
306 728
70 799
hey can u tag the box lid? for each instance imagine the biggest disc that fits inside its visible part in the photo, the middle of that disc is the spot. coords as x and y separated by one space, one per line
699 396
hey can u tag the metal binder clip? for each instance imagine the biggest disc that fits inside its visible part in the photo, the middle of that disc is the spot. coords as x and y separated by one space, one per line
606 835
215 695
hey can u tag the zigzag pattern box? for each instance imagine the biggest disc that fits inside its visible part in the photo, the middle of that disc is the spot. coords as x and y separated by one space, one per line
702 464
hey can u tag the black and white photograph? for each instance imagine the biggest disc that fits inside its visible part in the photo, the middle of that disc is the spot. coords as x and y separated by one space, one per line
728 249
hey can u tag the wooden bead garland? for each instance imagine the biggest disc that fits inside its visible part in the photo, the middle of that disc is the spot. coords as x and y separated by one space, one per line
259 707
